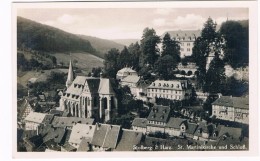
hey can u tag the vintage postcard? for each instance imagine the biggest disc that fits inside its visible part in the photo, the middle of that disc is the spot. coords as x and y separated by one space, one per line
178 78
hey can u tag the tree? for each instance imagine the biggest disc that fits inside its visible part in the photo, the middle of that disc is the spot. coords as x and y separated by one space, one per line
236 47
124 59
150 51
164 66
171 47
215 77
203 45
135 51
110 62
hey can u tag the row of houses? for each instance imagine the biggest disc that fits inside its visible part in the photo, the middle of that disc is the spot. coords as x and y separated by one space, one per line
55 133
159 121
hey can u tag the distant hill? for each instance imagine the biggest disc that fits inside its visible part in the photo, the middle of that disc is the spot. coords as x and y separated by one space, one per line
37 36
102 45
125 42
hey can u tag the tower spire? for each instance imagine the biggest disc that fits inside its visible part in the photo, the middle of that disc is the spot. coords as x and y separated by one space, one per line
70 75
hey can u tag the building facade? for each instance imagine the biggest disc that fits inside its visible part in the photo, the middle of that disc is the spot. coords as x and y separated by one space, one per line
186 39
231 109
122 73
89 97
172 89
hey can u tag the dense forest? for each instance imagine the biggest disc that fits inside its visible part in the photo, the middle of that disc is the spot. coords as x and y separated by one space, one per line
44 38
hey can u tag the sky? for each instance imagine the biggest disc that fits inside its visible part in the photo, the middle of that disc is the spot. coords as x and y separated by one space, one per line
128 23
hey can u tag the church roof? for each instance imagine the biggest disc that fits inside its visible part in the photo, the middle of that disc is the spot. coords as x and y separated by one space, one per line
93 84
105 86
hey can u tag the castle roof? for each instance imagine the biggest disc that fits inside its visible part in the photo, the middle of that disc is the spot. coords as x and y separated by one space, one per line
184 35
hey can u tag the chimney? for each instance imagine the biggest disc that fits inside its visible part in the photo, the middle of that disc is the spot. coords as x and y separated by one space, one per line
101 75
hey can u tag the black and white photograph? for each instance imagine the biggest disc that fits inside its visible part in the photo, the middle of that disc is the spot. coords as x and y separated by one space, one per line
137 78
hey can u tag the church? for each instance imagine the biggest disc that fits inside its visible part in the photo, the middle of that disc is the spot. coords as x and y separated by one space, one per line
89 97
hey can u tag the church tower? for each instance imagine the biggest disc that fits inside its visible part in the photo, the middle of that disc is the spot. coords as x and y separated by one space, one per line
70 76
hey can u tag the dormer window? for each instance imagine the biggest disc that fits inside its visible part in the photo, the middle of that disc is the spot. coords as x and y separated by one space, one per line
153 84
162 117
159 85
172 85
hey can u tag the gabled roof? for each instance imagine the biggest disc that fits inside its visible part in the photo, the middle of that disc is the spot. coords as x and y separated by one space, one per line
52 145
131 79
69 147
184 34
22 105
105 86
126 69
236 102
236 133
84 145
128 139
111 136
55 134
191 128
106 135
140 122
80 131
39 117
175 122
159 113
93 84
70 121
169 84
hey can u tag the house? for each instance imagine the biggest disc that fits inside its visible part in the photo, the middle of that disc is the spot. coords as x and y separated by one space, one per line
171 89
204 131
131 82
190 130
158 118
122 73
24 107
79 132
129 139
68 148
68 122
57 135
176 126
84 145
139 125
141 89
34 143
56 112
230 108
52 146
105 137
34 119
186 38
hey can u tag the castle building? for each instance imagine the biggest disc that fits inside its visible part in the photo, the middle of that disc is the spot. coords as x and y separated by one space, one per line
89 97
171 89
186 39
